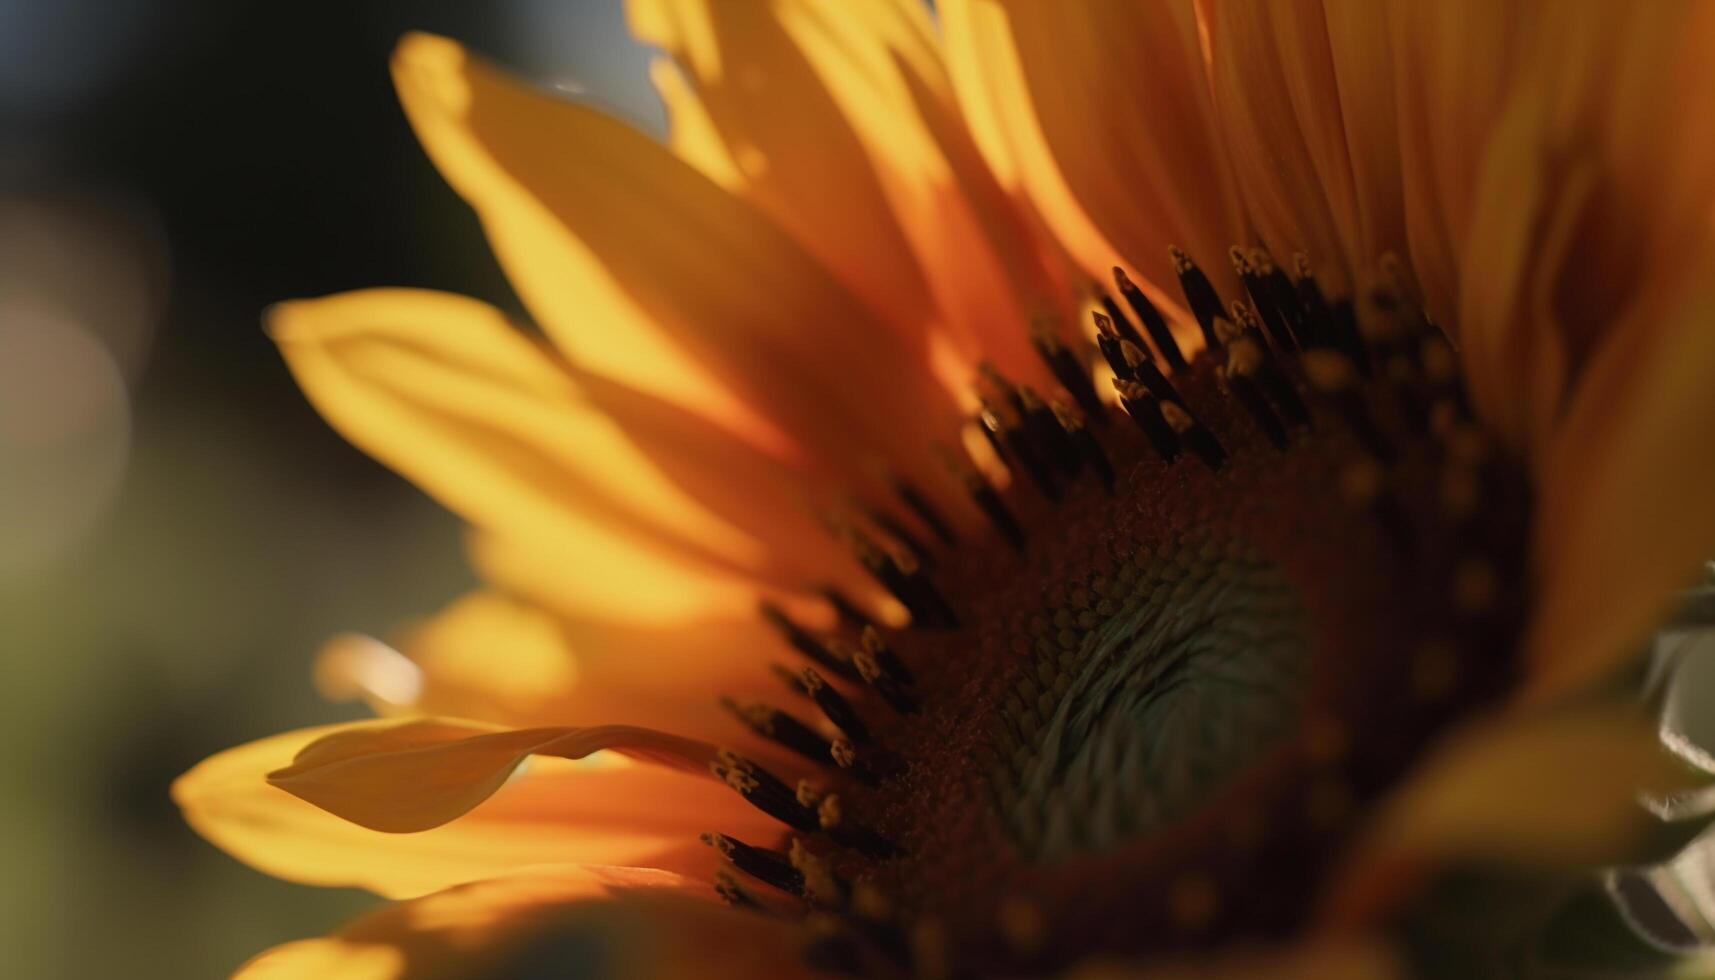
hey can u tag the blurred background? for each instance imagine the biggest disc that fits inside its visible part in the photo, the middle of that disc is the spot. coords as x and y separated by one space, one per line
178 530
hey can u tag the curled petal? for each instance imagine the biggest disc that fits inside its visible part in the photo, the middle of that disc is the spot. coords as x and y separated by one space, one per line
421 774
607 811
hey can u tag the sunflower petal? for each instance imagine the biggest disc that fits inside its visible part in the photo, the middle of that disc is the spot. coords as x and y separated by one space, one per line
625 252
492 657
691 131
1359 46
488 657
446 391
1279 109
559 921
1626 482
1560 789
606 812
1454 62
853 98
798 159
421 774
1592 197
732 479
1102 112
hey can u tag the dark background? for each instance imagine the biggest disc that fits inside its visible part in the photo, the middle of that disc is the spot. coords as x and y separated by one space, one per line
178 530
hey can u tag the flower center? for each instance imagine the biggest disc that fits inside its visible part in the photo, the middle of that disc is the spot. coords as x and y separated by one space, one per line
1211 626
1200 668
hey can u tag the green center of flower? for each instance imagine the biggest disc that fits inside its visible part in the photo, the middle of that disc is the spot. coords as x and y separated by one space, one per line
1200 669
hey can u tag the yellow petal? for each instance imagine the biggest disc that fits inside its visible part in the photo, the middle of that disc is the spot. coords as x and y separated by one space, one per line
1624 502
988 273
487 657
421 774
494 658
554 922
614 579
607 811
775 501
1102 112
622 251
1555 790
447 392
798 159
691 131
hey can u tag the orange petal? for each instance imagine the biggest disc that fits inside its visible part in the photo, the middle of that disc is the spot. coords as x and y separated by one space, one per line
447 392
624 251
798 159
604 811
775 501
487 657
494 658
1554 790
1360 49
1592 198
1625 487
691 131
554 922
1454 63
1102 112
421 774
1278 103
988 273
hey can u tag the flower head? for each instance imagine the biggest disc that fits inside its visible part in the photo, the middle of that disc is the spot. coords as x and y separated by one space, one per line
1048 482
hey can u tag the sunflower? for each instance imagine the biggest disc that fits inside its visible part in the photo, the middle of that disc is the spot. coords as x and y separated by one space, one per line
1025 487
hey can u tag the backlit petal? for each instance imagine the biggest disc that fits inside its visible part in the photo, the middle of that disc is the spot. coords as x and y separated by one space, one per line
447 392
420 774
615 582
607 243
798 159
691 131
494 658
774 500
988 270
1104 113
603 811
560 921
